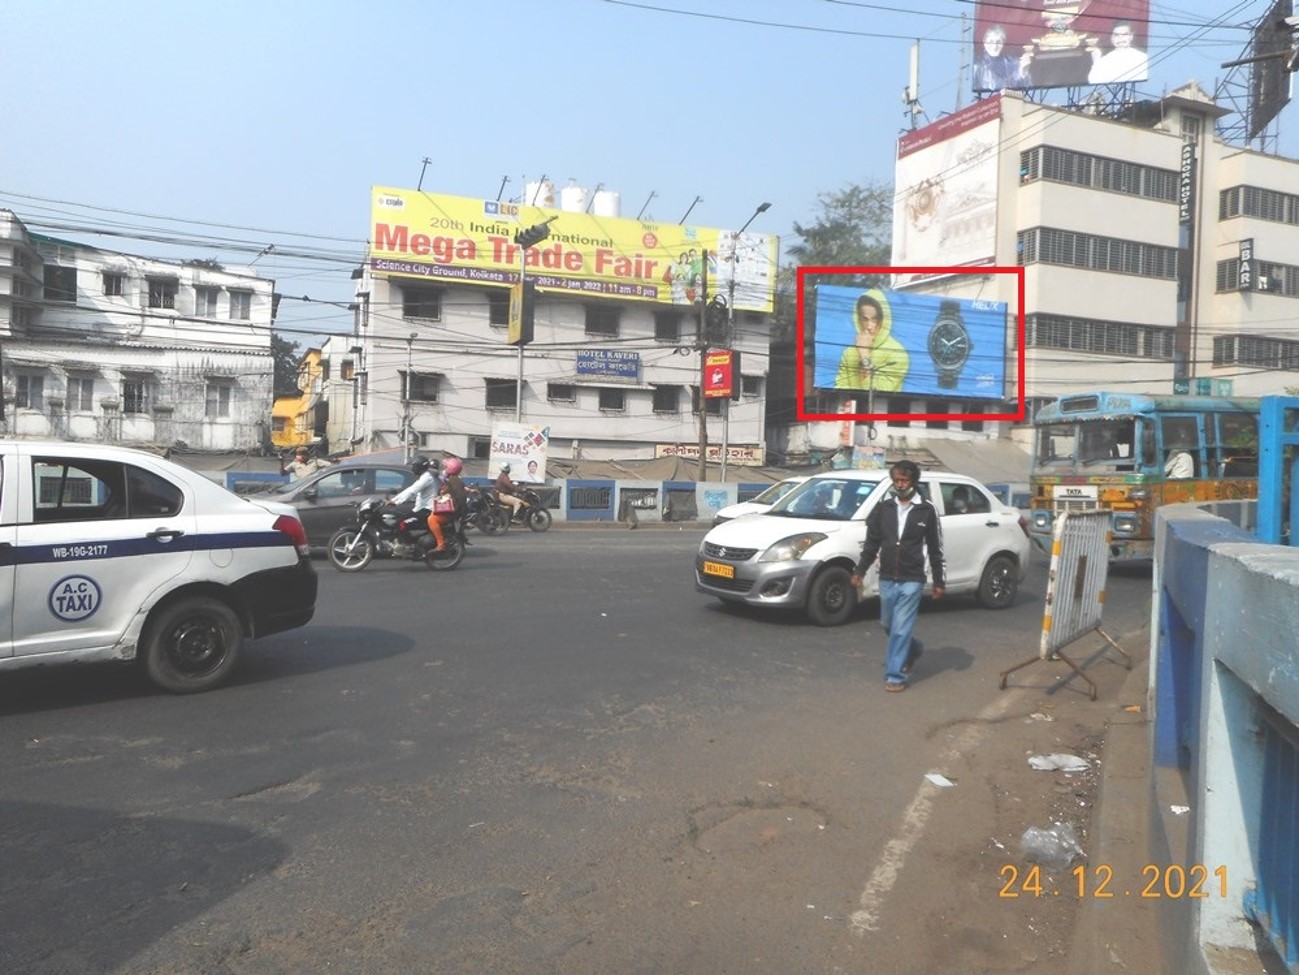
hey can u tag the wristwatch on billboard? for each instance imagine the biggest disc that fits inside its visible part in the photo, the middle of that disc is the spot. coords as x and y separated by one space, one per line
949 344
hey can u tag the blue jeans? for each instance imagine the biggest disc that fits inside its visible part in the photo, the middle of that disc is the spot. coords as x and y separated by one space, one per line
899 604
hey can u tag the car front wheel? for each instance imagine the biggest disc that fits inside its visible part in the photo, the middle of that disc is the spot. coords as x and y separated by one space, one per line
999 584
192 644
831 598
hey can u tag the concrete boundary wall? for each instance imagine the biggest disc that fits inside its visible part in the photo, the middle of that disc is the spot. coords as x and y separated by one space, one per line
1226 664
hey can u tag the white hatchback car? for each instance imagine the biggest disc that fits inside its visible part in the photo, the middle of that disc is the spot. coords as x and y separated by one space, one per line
801 553
760 502
108 553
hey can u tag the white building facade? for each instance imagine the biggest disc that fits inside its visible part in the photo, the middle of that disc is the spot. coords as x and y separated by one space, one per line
1157 258
101 345
613 370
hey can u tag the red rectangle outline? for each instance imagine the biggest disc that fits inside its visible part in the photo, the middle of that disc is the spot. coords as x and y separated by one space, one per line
801 414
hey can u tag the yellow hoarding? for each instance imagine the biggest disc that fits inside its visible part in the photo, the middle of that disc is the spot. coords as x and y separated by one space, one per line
454 238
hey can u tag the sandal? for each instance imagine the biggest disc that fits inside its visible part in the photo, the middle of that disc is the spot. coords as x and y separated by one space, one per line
895 687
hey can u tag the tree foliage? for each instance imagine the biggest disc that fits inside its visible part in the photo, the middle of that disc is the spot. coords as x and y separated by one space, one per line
853 229
285 355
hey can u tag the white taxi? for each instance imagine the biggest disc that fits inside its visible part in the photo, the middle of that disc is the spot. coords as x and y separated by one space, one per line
109 553
802 551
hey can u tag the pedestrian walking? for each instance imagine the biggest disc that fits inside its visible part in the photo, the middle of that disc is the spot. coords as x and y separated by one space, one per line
900 530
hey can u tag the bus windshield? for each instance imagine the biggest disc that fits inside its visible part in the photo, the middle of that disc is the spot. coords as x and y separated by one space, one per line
1089 444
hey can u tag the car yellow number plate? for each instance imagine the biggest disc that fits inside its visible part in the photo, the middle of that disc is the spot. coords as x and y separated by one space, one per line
717 569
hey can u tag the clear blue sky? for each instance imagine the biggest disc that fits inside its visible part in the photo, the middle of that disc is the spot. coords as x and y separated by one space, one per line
184 126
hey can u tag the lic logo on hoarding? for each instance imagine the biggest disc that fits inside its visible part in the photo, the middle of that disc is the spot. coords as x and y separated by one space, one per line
75 598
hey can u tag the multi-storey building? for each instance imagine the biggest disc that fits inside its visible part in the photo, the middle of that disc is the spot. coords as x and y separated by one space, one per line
614 366
101 345
1157 257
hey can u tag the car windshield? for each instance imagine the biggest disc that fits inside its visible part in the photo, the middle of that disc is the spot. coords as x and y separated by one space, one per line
775 492
825 499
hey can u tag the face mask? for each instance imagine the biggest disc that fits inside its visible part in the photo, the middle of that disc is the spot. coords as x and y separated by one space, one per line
905 493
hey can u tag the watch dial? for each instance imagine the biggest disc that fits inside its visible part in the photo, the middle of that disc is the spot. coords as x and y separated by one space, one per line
949 344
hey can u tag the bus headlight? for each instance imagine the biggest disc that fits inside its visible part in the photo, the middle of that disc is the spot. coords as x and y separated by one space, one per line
1125 524
1041 520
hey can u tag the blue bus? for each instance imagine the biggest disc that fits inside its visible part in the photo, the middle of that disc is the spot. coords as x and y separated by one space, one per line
1129 453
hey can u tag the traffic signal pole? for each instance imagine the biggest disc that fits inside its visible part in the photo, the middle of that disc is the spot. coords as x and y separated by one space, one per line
701 343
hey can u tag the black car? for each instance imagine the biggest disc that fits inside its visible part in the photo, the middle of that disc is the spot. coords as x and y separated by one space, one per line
327 500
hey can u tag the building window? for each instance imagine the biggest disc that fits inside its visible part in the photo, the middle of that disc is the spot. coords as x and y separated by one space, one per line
1228 275
712 407
60 283
1097 172
421 303
1050 245
750 386
347 370
1104 338
602 320
424 386
205 302
135 396
279 424
218 400
498 307
561 392
241 306
613 400
29 391
667 326
162 292
667 399
114 284
501 394
81 392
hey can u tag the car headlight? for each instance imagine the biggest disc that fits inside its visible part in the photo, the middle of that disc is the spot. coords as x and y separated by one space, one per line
788 549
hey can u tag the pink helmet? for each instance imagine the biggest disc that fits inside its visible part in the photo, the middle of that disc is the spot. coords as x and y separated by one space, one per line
453 465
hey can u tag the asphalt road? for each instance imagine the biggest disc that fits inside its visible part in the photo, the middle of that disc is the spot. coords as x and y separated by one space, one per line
558 758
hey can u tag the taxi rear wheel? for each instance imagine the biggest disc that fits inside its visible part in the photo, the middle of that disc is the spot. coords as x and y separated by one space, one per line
192 644
831 597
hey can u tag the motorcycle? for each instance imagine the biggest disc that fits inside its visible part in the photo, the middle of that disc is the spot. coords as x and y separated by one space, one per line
484 513
531 513
378 534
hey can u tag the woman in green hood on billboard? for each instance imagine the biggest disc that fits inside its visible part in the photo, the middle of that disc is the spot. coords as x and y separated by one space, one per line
876 360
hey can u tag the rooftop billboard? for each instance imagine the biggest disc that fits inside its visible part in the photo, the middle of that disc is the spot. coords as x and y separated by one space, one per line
453 238
1026 44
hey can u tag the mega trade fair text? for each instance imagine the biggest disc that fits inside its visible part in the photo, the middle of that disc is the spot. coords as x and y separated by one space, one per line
605 262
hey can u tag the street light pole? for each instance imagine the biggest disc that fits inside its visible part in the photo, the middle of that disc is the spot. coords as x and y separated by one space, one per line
730 331
405 398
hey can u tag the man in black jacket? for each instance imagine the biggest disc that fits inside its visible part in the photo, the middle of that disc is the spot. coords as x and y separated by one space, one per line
899 531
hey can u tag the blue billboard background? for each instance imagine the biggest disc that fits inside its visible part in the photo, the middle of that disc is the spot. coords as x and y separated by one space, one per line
910 317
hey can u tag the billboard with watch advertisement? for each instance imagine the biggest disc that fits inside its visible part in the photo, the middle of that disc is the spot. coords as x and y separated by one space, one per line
882 342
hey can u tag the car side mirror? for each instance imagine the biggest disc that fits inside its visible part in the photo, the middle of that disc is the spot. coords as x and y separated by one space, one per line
311 494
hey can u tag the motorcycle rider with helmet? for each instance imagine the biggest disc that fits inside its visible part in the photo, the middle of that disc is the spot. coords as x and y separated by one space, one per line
421 493
505 490
453 486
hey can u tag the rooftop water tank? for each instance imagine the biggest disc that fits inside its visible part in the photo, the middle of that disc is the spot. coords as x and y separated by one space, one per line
608 203
573 198
539 193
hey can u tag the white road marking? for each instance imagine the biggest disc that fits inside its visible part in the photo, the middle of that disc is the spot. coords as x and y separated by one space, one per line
915 819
